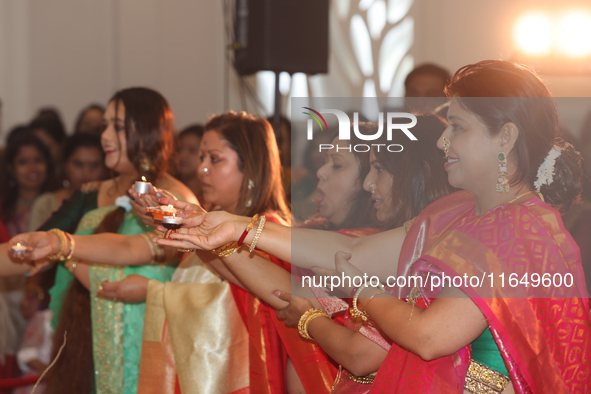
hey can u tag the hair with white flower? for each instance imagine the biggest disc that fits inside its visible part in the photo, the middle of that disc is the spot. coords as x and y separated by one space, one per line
546 169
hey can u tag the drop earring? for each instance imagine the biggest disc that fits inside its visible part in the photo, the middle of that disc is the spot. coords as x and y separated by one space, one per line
250 187
446 145
502 179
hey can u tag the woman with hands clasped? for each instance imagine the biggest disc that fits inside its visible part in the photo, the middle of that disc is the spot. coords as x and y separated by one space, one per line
504 150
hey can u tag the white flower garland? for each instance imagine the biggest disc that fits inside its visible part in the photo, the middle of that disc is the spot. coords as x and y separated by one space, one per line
546 169
124 202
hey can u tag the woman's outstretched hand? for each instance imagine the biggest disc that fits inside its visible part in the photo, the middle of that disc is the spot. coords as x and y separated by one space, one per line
294 311
134 288
205 231
187 210
140 202
39 245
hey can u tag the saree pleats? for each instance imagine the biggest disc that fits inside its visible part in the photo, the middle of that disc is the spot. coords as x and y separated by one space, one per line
194 339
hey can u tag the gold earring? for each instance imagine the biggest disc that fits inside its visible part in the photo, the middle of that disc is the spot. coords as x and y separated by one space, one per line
372 189
146 164
250 187
446 145
502 179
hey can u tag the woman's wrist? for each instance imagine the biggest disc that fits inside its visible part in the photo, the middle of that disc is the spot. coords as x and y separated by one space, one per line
367 294
55 243
242 225
314 326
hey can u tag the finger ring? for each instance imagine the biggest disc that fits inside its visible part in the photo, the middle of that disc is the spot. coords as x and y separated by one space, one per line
185 250
101 288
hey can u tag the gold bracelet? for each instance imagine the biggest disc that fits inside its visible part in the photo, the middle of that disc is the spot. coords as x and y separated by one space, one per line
72 246
367 379
63 244
257 235
305 320
355 311
71 265
226 250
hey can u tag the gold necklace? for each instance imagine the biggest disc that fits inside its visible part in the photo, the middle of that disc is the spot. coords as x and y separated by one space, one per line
525 194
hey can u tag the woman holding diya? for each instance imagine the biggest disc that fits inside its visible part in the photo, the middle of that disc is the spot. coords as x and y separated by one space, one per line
137 141
233 358
505 153
239 171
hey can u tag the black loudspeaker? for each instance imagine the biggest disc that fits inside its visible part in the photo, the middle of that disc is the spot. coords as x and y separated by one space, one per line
281 35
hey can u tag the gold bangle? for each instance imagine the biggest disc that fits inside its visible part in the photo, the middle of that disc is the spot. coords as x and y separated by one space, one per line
226 250
71 265
305 320
257 235
63 244
355 311
72 246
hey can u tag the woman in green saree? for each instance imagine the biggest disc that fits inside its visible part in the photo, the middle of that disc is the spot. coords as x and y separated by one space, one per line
138 142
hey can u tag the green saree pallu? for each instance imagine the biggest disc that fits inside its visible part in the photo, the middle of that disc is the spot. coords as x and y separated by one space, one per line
116 326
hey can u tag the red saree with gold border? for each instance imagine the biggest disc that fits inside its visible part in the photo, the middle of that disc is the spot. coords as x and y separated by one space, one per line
271 342
543 334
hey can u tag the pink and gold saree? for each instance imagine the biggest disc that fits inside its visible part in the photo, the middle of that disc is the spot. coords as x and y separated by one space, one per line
543 332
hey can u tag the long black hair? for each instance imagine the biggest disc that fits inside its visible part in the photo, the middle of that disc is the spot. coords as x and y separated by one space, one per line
8 183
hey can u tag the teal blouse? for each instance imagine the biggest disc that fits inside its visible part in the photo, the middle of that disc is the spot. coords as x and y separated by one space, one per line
117 327
486 351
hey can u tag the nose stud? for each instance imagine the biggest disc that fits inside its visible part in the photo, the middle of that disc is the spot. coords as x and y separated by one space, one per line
205 169
372 189
446 147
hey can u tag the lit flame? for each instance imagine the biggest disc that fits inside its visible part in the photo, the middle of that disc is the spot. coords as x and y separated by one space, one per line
143 179
18 244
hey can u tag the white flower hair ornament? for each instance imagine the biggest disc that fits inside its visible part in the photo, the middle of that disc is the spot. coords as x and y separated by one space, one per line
546 169
124 202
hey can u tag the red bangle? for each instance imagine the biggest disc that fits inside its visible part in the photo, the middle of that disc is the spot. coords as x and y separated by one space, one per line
247 229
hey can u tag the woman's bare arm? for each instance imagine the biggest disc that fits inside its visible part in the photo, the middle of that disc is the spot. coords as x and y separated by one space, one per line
376 255
82 273
353 351
104 248
451 322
